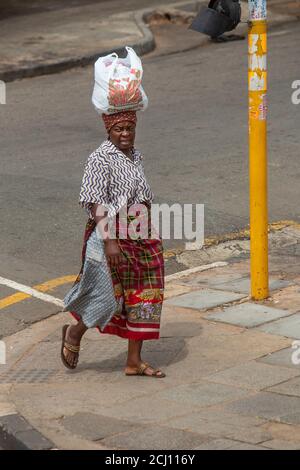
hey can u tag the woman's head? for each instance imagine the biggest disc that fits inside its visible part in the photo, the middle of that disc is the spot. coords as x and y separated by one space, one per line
121 129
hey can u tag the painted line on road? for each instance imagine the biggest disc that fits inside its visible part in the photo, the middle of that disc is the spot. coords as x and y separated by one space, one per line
13 299
26 292
59 281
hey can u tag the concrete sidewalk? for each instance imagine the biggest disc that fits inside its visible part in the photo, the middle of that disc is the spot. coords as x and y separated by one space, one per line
233 379
53 41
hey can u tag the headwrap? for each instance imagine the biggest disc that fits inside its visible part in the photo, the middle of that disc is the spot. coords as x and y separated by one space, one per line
111 119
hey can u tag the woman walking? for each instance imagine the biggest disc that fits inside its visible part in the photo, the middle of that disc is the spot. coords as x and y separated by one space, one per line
127 300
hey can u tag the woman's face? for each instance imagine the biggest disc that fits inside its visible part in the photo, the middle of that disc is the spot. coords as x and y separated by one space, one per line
122 135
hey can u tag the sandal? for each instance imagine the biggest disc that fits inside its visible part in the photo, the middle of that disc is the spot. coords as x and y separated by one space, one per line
69 347
158 374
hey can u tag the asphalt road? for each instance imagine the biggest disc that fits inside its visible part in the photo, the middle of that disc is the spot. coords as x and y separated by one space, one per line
194 139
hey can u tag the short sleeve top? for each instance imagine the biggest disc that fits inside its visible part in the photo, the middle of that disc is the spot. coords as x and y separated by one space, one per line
113 180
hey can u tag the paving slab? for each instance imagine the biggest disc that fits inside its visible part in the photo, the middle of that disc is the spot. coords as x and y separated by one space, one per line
287 298
205 298
94 426
217 413
277 444
149 409
266 405
212 279
217 444
221 346
291 418
243 285
155 438
242 446
253 375
280 358
289 327
182 329
290 387
202 394
248 315
289 264
194 423
172 290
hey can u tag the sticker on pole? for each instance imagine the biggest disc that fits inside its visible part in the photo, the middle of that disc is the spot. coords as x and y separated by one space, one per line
262 108
257 62
258 9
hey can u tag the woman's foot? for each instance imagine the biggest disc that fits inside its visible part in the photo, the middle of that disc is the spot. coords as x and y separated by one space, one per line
143 368
70 346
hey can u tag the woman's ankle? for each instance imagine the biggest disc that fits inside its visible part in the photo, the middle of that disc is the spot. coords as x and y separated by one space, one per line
133 362
74 333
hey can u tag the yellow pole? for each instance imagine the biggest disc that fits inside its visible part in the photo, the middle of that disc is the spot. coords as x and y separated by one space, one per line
258 149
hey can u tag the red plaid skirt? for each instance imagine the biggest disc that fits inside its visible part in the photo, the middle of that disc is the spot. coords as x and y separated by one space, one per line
138 286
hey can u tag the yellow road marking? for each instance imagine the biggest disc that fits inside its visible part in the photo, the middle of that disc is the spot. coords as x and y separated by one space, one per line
13 299
49 285
44 287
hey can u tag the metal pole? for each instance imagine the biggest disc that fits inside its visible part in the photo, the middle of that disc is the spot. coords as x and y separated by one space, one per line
257 74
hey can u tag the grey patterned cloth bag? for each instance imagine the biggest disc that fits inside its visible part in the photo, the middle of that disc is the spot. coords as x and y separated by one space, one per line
92 298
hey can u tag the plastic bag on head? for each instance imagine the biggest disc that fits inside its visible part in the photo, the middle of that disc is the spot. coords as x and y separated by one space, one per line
118 85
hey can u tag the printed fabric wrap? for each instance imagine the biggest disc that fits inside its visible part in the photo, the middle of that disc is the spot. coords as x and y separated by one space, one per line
138 287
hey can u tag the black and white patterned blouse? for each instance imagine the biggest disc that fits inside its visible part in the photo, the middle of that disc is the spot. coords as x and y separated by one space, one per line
113 180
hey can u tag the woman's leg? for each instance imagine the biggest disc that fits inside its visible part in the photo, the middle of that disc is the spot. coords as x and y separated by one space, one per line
73 336
134 360
134 353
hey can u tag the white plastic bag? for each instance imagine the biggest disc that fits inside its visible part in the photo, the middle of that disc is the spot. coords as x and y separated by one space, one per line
118 84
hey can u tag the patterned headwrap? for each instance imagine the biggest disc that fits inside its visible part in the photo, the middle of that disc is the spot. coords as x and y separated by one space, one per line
111 119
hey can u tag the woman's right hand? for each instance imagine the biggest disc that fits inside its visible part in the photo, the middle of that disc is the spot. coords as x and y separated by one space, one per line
113 253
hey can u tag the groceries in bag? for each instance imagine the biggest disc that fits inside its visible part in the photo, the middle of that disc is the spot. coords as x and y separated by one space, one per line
118 84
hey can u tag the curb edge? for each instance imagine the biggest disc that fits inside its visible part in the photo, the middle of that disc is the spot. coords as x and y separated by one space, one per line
16 433
143 46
